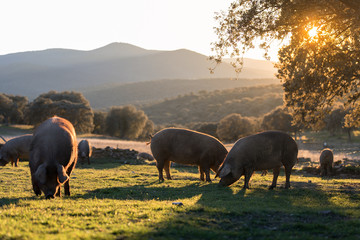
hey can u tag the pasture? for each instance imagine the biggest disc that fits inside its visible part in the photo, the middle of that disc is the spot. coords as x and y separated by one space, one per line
111 200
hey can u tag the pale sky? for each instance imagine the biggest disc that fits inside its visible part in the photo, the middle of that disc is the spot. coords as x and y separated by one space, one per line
28 25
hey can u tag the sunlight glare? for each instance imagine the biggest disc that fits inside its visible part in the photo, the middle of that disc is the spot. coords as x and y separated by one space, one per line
313 32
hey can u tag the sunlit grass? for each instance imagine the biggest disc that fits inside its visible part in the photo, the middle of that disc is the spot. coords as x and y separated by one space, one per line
114 201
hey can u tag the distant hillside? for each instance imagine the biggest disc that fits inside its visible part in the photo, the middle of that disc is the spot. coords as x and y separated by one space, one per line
33 73
215 105
150 91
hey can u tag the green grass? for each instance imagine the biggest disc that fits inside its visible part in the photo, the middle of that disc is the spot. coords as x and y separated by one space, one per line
113 201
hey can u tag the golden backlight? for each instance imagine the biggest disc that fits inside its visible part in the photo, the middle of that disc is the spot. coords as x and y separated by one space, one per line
313 32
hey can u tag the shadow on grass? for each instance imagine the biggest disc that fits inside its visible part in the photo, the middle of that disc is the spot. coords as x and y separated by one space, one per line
304 211
8 201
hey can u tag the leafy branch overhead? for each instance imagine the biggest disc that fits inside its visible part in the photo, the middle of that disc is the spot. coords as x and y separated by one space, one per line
319 61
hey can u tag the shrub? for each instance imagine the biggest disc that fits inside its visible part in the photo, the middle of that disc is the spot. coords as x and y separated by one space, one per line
234 126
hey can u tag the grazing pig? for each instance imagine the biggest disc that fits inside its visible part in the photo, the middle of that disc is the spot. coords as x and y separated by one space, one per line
326 162
263 151
84 151
12 150
187 147
53 155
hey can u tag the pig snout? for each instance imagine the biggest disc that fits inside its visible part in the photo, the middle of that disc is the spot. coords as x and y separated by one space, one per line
3 162
49 196
227 180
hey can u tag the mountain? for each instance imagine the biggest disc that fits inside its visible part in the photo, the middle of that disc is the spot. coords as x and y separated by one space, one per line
36 72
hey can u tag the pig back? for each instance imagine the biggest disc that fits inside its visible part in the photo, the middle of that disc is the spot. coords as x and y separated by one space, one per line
54 141
84 147
187 147
326 156
265 150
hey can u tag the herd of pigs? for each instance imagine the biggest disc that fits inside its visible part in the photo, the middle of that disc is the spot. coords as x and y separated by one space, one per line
53 153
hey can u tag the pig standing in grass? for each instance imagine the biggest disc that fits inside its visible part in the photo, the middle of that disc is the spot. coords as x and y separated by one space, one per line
187 147
326 162
53 155
263 151
12 150
84 151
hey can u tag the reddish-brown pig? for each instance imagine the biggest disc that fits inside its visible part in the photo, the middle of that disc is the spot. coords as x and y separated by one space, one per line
187 147
326 162
53 156
263 151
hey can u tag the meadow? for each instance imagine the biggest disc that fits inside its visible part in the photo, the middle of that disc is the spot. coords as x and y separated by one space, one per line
111 200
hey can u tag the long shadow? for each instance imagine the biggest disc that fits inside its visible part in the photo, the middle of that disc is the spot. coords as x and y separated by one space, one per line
257 212
8 201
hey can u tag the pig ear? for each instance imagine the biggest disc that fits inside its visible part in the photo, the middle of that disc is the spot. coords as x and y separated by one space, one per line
218 171
225 170
40 174
63 177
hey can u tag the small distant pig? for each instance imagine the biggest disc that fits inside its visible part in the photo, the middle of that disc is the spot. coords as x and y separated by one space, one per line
326 162
12 150
187 147
84 151
53 155
259 152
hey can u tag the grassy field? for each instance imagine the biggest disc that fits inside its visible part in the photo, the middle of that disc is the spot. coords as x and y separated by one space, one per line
115 201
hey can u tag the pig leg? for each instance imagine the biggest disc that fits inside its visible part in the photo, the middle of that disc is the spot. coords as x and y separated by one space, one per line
12 161
58 192
328 170
202 177
206 171
276 172
322 169
167 169
248 174
287 174
160 166
67 183
207 174
88 158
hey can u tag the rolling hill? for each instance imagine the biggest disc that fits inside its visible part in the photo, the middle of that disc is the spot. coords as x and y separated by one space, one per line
156 90
114 66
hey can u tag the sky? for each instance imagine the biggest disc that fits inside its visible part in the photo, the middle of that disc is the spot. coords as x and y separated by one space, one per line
29 25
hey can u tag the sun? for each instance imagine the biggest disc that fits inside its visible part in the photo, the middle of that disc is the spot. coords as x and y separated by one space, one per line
313 32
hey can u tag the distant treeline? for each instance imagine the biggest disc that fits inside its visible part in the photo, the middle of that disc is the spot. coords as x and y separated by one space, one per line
213 106
226 114
157 90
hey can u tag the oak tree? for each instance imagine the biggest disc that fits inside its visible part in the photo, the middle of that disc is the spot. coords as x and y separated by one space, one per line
319 61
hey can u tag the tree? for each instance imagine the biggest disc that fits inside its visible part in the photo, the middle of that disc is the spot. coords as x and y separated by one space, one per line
99 122
70 105
12 108
127 122
317 66
335 120
279 119
234 126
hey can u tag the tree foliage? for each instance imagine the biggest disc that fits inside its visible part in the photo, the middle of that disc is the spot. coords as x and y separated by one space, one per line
215 105
12 108
128 122
316 69
72 106
278 119
99 122
234 126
